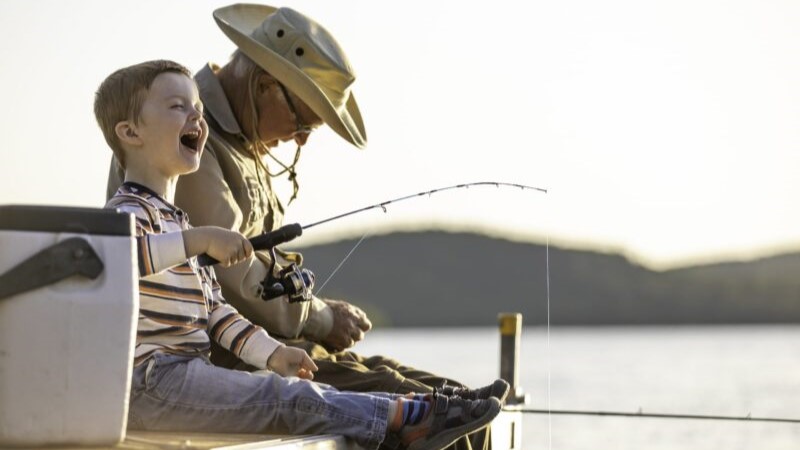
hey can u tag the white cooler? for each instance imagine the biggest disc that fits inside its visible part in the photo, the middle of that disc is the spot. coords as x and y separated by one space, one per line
68 308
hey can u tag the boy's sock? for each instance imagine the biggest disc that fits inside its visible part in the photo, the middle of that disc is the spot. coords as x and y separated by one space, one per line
447 419
404 411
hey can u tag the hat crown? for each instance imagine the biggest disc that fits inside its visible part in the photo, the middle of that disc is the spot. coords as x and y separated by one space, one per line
311 48
305 58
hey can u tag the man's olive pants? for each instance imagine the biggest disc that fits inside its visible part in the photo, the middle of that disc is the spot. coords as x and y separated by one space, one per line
348 371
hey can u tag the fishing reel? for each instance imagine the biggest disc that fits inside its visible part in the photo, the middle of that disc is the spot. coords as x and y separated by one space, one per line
291 281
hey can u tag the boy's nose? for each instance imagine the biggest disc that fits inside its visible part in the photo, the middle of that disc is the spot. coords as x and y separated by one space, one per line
196 114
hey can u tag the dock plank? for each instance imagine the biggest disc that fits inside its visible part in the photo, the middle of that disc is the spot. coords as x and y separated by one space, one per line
506 435
148 440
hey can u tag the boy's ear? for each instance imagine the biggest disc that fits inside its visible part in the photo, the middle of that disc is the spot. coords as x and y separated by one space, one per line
126 132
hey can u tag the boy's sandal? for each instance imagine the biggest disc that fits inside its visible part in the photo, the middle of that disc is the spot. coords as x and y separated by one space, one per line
455 417
498 389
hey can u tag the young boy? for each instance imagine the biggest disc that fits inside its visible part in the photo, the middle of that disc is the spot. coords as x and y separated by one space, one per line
152 118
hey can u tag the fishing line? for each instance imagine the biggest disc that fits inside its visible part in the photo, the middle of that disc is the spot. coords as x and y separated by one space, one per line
549 367
319 291
640 414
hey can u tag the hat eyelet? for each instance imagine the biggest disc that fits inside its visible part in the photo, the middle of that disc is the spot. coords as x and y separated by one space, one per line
299 51
280 33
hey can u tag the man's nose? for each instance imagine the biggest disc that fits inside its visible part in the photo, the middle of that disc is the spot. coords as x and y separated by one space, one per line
301 138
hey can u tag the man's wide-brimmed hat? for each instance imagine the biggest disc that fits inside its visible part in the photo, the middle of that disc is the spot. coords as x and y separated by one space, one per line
303 56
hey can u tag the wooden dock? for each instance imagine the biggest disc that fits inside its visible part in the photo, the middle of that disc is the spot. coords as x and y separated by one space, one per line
149 440
506 435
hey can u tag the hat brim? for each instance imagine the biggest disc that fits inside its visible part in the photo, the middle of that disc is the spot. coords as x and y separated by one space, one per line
238 22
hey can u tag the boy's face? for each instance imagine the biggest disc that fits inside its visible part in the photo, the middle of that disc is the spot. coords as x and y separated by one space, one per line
171 125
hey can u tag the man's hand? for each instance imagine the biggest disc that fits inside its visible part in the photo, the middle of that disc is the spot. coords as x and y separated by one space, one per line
349 325
290 361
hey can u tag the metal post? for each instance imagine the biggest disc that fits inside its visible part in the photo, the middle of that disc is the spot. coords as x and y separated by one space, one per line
510 332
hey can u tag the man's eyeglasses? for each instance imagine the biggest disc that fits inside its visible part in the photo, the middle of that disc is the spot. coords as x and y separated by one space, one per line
301 127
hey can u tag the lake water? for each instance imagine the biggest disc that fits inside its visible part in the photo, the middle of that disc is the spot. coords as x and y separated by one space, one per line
719 370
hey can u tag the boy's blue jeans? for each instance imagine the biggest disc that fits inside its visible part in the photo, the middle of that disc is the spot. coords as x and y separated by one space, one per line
183 393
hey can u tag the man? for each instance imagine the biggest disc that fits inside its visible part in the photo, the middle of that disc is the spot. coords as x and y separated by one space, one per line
288 77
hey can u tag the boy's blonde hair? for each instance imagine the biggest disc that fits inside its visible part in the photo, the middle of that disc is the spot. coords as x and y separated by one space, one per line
121 95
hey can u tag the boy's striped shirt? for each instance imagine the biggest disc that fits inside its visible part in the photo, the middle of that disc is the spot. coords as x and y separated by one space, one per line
181 304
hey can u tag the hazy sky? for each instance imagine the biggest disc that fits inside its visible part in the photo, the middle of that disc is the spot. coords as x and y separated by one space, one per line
667 130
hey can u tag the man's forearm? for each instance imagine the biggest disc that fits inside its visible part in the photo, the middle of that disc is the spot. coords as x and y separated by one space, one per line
320 320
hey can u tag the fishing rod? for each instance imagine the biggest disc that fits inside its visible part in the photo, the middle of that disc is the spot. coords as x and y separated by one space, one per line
291 231
296 283
641 414
383 205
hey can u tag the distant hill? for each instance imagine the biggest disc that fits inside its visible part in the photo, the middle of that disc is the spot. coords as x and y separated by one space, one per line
460 279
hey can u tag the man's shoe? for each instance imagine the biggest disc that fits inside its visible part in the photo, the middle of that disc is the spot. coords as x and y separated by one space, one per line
498 389
448 419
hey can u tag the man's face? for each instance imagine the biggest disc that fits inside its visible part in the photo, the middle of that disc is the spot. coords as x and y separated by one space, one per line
171 125
282 116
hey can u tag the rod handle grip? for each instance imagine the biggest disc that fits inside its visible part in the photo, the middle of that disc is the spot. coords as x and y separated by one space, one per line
264 241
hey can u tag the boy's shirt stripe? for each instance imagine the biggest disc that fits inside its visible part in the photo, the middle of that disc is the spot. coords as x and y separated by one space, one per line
165 291
176 319
167 296
143 257
222 324
241 338
144 224
176 331
181 304
228 331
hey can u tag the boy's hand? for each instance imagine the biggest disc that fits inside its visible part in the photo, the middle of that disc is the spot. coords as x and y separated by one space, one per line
290 361
226 246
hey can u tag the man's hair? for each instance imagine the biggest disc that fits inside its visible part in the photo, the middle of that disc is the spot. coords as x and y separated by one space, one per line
243 66
121 95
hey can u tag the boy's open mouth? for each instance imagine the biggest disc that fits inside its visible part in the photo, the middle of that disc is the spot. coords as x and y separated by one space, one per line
191 140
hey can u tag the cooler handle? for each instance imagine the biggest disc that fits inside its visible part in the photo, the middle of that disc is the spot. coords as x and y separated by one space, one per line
73 256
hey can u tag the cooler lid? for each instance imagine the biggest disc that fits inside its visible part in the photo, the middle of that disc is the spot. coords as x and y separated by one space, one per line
66 219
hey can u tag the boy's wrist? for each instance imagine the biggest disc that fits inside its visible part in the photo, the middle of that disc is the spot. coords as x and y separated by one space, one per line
166 250
274 352
193 242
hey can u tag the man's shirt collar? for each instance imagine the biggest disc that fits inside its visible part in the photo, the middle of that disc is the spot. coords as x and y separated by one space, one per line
214 100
